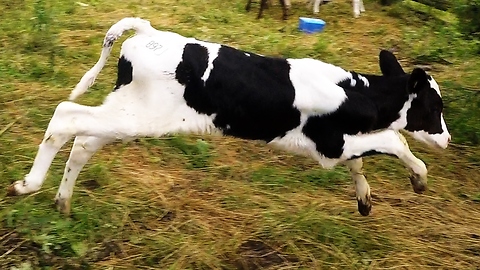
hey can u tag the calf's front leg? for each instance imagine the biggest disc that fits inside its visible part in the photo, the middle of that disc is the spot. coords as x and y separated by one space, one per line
388 142
362 189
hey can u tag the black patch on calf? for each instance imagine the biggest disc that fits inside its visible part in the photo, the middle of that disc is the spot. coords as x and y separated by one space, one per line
356 114
389 64
189 72
387 94
251 95
425 112
365 109
371 153
366 154
124 73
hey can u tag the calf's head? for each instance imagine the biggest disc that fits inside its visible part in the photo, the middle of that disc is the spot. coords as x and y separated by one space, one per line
424 116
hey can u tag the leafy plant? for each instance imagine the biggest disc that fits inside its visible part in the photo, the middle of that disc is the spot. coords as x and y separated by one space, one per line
468 13
43 38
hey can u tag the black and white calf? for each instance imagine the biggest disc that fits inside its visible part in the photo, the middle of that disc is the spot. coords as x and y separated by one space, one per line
171 84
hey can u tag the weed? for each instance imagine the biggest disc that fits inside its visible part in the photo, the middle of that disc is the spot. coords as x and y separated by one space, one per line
197 153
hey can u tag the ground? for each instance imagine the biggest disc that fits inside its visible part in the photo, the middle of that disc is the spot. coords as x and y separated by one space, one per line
191 202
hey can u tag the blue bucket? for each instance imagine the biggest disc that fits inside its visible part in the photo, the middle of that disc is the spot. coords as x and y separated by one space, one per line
310 25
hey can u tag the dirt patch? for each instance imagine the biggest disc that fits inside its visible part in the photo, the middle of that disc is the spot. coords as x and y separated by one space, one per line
107 249
90 184
169 216
18 251
256 254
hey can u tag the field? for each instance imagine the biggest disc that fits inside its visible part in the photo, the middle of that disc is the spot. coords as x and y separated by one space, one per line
191 202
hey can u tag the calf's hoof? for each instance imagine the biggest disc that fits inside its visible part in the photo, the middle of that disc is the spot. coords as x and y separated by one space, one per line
419 183
63 205
11 191
364 207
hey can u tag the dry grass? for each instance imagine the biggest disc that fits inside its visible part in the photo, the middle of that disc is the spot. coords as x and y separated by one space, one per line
148 205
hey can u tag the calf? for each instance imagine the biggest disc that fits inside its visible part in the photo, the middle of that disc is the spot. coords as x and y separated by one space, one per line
357 6
171 84
263 4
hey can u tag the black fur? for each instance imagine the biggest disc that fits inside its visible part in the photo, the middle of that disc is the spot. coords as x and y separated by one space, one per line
252 96
389 64
426 109
124 74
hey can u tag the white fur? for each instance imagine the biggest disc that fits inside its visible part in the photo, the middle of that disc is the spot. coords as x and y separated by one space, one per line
212 55
318 96
441 140
434 85
388 142
401 122
362 188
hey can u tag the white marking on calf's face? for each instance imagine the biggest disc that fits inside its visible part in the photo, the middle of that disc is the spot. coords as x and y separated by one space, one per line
434 85
436 140
440 140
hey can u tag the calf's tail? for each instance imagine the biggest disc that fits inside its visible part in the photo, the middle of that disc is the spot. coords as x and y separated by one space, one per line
139 25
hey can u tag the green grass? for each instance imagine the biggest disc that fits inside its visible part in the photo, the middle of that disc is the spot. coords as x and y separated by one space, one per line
192 202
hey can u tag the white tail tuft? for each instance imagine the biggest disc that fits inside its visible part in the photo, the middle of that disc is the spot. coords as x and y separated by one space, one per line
116 31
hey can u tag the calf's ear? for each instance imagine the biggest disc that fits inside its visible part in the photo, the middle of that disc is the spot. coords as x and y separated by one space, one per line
389 64
418 80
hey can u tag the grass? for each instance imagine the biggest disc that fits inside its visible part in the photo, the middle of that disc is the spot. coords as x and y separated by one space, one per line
191 202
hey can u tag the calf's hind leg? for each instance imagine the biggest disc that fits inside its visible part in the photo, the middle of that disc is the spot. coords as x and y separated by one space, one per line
362 189
84 147
47 150
71 119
